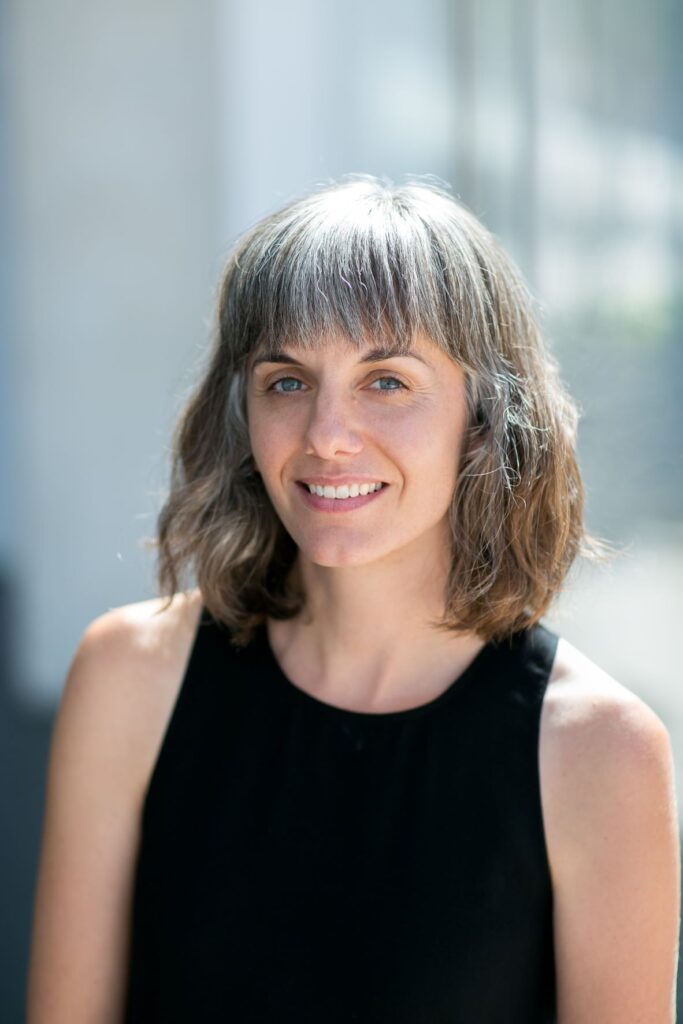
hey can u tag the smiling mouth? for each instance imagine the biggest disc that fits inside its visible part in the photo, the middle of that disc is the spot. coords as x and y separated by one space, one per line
307 487
348 504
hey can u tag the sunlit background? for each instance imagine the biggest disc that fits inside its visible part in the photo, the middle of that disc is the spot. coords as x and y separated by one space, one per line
138 140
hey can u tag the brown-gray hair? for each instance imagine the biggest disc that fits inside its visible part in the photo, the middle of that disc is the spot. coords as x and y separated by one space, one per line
374 261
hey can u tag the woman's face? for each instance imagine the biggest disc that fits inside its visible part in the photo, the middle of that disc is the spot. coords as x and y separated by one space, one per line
337 416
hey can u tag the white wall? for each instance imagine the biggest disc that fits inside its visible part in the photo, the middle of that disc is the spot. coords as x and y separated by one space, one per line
113 177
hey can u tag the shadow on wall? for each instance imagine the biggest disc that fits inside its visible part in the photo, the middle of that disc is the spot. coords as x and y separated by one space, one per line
24 747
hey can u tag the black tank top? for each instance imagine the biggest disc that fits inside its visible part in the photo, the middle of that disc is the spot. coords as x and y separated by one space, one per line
302 862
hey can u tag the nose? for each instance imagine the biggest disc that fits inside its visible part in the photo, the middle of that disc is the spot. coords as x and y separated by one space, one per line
331 426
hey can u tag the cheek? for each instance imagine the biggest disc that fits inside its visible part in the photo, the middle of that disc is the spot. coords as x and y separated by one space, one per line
429 444
431 486
268 438
258 438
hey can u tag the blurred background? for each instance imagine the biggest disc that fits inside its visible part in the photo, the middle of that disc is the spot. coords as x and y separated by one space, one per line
138 140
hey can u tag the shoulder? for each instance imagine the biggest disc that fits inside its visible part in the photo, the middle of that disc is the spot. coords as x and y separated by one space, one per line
611 827
600 745
585 705
124 679
146 634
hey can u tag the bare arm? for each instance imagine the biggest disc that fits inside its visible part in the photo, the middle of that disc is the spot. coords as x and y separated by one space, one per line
614 845
111 719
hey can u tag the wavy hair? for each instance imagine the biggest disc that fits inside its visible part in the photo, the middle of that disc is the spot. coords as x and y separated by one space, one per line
375 261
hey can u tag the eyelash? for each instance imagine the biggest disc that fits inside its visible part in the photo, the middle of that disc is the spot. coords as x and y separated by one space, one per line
382 391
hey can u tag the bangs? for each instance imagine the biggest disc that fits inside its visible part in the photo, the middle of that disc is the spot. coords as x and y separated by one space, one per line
356 263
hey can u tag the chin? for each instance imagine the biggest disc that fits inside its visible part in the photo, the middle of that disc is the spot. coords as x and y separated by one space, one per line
339 556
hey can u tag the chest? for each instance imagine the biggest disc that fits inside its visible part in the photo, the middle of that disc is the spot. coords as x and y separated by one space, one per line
347 868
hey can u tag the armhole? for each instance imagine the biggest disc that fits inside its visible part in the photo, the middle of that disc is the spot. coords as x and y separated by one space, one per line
544 645
182 696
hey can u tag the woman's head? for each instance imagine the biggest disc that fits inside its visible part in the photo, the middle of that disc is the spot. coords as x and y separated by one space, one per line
340 416
352 267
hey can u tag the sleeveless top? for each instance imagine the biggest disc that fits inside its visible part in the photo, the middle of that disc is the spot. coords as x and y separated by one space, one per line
303 862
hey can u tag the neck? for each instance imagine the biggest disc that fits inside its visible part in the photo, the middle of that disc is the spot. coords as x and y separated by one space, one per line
372 606
365 635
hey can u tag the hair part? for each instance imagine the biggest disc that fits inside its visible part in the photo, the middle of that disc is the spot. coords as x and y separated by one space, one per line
378 263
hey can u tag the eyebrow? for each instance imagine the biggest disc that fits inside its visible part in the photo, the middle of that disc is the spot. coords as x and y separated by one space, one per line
374 355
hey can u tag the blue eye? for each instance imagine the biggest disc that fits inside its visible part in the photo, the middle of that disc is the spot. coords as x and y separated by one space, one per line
400 386
279 381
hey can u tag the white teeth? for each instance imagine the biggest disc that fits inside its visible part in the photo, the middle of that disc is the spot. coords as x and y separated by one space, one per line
345 491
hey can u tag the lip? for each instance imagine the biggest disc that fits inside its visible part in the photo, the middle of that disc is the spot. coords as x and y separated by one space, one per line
336 505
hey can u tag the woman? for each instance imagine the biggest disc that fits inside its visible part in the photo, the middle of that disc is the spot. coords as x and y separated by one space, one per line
350 776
